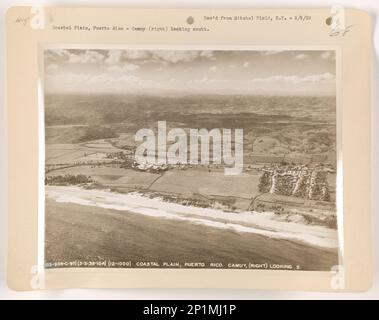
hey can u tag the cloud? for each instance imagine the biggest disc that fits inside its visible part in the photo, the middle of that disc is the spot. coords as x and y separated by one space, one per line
118 56
154 56
128 67
104 82
176 56
326 55
301 56
317 78
207 81
88 57
271 52
326 77
52 67
58 52
114 57
56 56
208 55
137 54
162 71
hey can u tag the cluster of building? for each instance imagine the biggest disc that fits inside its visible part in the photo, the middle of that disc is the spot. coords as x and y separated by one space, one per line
309 182
149 167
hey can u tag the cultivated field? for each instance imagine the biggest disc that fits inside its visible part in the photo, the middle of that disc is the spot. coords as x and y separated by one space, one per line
90 140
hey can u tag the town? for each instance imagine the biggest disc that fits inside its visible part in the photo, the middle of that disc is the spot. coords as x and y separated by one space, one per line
302 181
177 152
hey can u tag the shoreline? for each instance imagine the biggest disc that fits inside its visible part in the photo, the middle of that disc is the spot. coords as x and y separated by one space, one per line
92 235
264 224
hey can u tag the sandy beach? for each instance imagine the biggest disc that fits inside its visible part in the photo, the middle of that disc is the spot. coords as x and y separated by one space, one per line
96 225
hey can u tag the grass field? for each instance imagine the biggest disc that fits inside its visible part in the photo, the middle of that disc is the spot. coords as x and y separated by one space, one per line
73 153
202 181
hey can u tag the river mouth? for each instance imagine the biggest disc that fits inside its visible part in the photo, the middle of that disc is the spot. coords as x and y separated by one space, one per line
263 224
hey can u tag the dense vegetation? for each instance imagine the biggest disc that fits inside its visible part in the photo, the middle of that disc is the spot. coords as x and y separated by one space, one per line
67 180
294 124
97 132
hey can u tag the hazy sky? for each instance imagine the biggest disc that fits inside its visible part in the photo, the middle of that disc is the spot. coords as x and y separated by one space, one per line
190 72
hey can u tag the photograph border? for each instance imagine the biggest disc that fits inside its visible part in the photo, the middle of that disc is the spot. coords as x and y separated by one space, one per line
356 98
41 105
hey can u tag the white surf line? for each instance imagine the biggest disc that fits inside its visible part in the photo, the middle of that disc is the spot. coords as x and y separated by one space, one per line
259 223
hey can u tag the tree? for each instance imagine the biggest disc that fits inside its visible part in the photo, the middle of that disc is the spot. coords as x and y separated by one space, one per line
264 182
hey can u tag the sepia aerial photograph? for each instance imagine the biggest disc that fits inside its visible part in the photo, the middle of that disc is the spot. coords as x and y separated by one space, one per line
217 159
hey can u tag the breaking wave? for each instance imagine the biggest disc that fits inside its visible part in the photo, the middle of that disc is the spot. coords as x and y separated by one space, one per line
265 224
